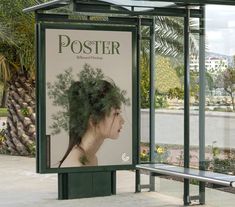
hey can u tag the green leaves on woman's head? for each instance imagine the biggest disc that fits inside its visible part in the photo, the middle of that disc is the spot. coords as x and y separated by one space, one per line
92 96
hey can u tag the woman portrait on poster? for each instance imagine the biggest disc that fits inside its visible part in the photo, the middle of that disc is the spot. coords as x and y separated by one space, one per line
94 109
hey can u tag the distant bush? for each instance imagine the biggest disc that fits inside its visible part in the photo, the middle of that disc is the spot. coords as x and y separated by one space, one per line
227 109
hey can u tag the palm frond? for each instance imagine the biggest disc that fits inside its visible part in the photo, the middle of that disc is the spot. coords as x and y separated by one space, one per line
169 37
4 69
6 35
17 32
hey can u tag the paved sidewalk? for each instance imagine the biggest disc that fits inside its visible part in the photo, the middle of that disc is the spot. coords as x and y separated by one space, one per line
20 186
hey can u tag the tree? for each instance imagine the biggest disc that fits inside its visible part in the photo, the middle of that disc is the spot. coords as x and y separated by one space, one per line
210 82
166 76
17 64
229 83
144 81
163 83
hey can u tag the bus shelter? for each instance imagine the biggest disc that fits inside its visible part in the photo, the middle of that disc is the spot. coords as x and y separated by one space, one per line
133 21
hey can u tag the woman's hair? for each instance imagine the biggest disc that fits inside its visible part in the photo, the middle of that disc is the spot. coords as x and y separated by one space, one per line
90 99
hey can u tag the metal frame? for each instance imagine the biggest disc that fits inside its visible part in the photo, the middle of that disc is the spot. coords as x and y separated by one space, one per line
41 107
202 77
205 176
131 3
186 104
119 15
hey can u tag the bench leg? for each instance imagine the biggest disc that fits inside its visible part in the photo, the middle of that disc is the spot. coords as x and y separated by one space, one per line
152 182
186 192
137 181
202 193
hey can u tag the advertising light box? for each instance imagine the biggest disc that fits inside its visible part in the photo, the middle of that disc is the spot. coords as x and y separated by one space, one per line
86 107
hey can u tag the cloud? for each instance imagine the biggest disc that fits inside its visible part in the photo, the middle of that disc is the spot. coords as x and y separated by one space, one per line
220 29
231 24
214 35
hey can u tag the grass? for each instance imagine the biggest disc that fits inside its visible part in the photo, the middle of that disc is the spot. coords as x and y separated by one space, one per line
3 112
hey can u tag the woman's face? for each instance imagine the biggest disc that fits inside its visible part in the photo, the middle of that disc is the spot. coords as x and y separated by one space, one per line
111 126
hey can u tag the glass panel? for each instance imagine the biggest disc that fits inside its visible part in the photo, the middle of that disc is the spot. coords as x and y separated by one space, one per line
220 89
141 3
144 85
169 94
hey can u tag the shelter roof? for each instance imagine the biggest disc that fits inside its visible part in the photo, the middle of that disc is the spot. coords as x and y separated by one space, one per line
128 4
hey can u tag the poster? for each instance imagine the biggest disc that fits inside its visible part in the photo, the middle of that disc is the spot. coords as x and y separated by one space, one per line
88 97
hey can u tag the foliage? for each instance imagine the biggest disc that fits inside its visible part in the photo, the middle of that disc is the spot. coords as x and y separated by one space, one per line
3 112
218 164
160 101
16 41
210 82
144 156
25 111
144 82
229 83
180 73
169 43
226 165
78 100
166 76
163 83
2 139
32 148
170 36
161 154
175 93
194 84
220 109
17 33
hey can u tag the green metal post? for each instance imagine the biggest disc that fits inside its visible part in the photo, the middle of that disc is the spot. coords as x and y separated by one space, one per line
113 182
137 172
86 184
186 104
37 93
202 103
152 100
62 186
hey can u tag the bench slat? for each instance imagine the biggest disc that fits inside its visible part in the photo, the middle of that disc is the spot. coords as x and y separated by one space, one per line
188 173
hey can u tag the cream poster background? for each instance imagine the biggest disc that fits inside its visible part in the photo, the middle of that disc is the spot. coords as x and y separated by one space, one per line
118 67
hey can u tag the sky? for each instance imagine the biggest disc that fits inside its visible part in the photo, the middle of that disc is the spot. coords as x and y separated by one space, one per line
220 29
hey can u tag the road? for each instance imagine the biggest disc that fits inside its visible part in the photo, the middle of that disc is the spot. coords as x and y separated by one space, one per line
169 125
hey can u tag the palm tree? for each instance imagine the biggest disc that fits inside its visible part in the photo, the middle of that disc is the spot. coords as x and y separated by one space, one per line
17 69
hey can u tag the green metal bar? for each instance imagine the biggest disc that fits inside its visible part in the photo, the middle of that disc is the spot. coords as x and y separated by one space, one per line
137 172
48 17
155 12
59 3
152 100
186 104
147 21
37 95
202 76
41 126
113 182
62 186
